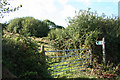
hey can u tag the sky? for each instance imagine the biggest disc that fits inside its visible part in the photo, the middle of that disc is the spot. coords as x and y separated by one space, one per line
58 11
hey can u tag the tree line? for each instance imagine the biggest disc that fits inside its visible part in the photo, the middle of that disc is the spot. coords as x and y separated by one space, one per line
30 26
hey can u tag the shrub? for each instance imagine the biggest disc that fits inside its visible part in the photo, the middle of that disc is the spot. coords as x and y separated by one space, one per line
22 58
85 29
28 26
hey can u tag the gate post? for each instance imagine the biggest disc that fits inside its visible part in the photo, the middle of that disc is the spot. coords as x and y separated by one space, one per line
43 51
43 54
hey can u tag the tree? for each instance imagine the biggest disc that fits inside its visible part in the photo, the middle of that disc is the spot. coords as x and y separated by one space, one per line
15 25
28 26
58 26
52 25
85 29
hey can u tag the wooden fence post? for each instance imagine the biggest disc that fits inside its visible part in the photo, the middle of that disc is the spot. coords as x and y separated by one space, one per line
43 51
43 54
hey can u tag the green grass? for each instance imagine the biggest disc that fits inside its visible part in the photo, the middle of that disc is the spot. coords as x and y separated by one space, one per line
69 73
75 74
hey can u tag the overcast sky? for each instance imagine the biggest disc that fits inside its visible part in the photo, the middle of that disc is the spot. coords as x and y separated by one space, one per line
58 10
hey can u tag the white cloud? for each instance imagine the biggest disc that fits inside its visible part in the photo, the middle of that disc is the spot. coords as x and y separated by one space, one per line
68 11
63 1
47 9
36 8
86 2
43 9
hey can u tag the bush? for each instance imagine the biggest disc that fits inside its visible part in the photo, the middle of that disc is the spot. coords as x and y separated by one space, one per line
28 26
15 25
85 29
22 58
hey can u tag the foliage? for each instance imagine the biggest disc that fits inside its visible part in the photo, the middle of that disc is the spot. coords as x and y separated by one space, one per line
4 25
22 58
85 29
28 26
5 8
15 25
110 71
58 26
51 24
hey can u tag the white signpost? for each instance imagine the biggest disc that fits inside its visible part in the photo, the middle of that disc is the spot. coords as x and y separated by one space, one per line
103 46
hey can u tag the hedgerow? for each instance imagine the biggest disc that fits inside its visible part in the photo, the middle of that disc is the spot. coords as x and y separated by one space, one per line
84 29
21 56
